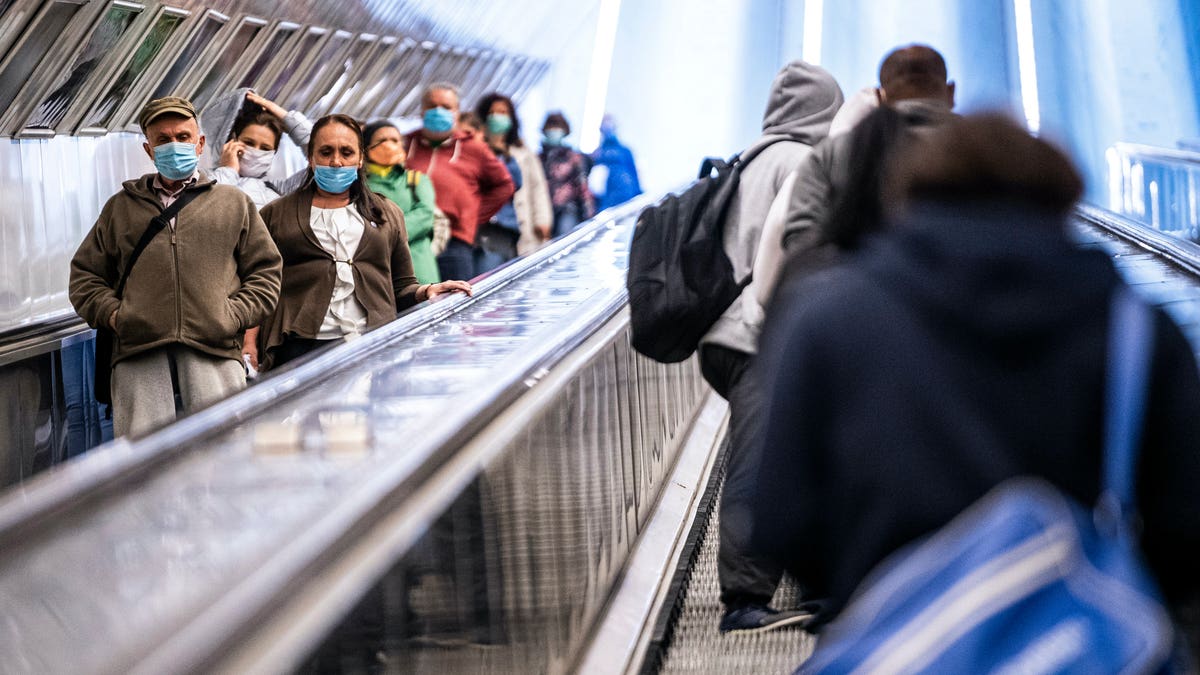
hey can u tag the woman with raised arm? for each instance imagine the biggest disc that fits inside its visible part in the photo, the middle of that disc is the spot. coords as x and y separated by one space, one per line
253 127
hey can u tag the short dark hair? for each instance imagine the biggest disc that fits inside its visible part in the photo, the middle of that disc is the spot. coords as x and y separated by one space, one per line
469 119
483 109
557 119
264 119
984 157
370 130
912 71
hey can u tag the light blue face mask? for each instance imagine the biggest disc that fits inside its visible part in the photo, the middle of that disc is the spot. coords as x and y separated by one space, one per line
335 179
498 124
554 136
175 161
439 120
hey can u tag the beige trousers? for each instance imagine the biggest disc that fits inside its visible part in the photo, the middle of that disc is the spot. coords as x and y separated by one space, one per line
143 392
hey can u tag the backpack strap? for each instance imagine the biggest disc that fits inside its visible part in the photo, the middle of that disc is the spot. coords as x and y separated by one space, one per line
761 144
1130 351
411 177
739 160
157 224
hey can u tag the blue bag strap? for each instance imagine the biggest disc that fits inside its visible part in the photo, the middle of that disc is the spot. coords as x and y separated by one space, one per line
1130 348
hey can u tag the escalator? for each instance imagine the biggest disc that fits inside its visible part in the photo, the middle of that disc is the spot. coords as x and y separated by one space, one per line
489 484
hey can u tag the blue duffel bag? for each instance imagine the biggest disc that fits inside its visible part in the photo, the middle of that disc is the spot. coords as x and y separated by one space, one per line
1026 580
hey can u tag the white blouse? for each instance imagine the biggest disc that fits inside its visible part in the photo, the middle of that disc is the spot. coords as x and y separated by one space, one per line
339 231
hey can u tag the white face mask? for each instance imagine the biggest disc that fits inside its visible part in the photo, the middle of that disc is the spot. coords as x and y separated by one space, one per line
255 163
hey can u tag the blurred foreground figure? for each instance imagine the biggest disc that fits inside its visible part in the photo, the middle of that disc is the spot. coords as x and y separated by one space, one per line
962 346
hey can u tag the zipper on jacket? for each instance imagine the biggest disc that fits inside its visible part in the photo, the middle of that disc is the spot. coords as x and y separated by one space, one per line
178 288
432 161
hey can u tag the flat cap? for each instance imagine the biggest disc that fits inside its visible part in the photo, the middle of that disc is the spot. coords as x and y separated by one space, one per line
162 106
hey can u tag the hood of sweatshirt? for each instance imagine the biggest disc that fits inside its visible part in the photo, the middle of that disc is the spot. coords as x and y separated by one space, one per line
1003 276
218 119
804 99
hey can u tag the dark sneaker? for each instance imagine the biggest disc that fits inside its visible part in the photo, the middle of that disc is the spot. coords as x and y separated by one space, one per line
759 619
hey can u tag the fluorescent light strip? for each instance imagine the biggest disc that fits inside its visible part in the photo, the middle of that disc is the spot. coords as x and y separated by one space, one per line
596 99
1027 65
814 16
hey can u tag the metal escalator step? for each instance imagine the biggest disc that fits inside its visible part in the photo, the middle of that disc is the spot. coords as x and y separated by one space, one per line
697 647
692 644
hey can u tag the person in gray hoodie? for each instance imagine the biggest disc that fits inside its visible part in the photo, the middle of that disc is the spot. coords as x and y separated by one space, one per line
803 101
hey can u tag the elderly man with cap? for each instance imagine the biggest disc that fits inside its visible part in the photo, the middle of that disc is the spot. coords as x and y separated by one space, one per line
176 267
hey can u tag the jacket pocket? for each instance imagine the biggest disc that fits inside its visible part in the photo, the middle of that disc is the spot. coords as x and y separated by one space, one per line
140 323
212 323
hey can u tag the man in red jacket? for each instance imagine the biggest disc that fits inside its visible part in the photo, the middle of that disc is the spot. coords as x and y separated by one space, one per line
470 183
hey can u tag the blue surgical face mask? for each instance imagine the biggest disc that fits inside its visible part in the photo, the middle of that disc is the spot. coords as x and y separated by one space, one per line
439 120
498 124
554 136
335 179
175 161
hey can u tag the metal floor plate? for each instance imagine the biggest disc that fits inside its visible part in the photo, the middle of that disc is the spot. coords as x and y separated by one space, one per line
695 645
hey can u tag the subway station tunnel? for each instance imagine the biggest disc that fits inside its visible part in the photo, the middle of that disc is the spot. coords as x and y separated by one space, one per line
494 483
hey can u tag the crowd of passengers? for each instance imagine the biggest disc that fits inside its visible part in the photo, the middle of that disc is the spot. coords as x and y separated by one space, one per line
259 272
919 326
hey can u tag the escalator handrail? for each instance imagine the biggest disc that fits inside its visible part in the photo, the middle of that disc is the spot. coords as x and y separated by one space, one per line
48 335
212 636
1179 252
64 487
1152 152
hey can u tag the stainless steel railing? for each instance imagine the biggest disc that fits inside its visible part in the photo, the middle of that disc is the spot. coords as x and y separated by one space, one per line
1157 186
238 537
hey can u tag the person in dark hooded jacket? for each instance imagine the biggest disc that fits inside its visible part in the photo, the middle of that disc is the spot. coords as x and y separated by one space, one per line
803 101
963 346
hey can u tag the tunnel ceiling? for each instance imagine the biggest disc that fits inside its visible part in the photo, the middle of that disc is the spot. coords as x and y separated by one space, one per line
538 28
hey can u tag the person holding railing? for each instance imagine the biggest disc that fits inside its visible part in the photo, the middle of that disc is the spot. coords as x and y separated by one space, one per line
346 262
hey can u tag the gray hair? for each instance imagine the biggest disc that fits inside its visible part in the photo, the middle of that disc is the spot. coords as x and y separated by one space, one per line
440 86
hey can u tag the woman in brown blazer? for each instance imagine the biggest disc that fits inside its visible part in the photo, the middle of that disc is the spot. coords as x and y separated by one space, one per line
346 263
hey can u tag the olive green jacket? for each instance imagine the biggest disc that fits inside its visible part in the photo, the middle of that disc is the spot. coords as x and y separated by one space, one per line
200 283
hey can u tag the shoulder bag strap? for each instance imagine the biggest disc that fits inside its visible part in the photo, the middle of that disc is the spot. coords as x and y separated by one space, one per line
157 223
411 177
1130 352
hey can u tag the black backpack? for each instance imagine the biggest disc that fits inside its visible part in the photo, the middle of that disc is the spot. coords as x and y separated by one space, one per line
680 280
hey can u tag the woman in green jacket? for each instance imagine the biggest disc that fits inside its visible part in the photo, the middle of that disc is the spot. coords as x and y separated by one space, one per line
412 191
